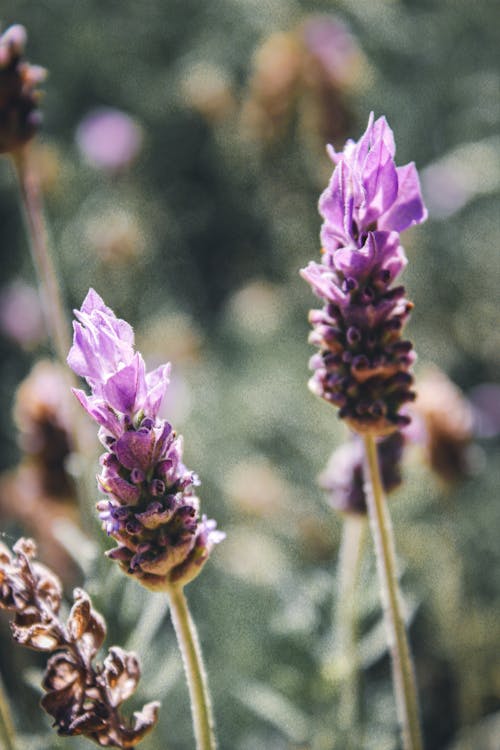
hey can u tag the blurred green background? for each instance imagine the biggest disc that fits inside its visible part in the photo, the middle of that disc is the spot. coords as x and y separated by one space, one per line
196 237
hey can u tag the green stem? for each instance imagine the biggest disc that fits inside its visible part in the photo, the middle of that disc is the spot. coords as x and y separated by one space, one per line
350 555
7 732
402 667
53 308
189 645
40 250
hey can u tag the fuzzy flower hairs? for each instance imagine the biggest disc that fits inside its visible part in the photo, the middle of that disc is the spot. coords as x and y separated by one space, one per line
363 364
151 508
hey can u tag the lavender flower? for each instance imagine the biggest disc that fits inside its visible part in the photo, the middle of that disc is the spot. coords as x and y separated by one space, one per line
19 116
151 508
363 365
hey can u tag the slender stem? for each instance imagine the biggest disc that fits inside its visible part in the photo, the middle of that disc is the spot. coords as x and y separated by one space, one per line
53 308
189 645
402 667
7 732
40 249
351 549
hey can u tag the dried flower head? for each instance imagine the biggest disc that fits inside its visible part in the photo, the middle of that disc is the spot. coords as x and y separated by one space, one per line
151 509
19 97
448 420
273 87
343 477
42 416
363 365
82 698
40 492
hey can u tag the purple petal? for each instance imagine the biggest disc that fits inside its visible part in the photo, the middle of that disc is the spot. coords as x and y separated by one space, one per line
135 449
156 384
99 411
94 301
332 205
323 282
164 437
390 253
82 356
382 131
356 153
127 387
356 262
408 208
380 181
121 489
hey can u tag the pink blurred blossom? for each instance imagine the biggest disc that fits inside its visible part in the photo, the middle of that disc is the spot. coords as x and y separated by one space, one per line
109 139
21 315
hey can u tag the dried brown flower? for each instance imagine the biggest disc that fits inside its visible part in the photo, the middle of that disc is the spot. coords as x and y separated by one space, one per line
19 115
42 413
40 492
82 698
448 420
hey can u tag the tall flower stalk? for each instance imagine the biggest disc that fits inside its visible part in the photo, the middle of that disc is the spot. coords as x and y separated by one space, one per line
150 507
7 731
363 366
19 122
20 119
344 483
38 235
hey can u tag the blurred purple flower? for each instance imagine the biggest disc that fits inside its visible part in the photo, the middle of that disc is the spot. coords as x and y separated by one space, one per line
485 402
329 41
363 364
21 314
109 139
343 477
151 509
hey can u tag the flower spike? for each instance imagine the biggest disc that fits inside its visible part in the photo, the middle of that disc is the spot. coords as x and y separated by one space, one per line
364 364
151 509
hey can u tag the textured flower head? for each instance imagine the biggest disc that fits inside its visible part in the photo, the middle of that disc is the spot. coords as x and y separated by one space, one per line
151 508
363 366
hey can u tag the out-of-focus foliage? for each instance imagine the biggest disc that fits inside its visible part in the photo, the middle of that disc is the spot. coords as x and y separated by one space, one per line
196 238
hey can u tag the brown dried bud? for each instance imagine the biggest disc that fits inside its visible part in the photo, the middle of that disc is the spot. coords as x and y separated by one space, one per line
82 698
19 115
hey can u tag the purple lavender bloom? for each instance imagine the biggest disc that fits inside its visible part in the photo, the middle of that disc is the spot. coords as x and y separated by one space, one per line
363 366
343 477
151 508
